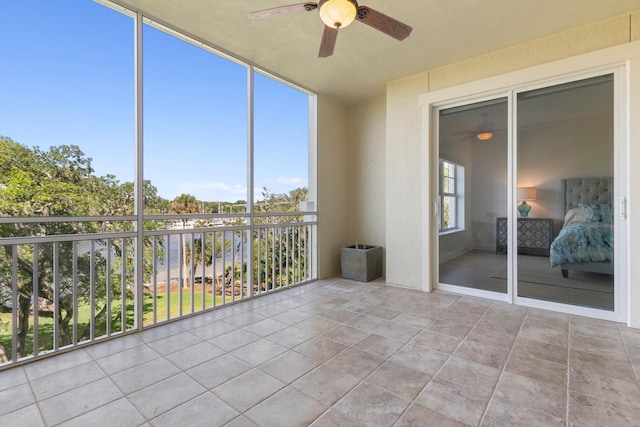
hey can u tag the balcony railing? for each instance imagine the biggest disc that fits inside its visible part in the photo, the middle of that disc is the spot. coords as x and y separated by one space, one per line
59 291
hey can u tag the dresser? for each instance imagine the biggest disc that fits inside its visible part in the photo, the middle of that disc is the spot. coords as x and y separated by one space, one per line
534 235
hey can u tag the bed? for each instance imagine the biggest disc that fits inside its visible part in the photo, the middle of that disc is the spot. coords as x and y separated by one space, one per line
585 242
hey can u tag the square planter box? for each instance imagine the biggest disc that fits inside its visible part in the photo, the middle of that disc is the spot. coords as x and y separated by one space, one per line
363 263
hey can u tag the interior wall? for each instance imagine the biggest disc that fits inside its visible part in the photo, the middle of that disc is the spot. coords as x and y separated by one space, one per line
543 154
366 172
406 175
332 188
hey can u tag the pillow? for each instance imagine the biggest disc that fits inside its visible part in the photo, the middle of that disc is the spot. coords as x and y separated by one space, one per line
572 215
606 213
590 213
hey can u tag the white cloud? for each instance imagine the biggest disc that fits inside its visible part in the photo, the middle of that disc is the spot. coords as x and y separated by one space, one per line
214 191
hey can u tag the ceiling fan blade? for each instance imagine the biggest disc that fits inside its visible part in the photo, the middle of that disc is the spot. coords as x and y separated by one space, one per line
328 42
386 24
283 10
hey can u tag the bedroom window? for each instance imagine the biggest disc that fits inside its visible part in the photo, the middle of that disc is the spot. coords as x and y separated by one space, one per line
451 196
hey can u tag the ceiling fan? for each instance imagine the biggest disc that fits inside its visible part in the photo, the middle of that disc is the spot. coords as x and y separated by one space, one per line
483 131
338 14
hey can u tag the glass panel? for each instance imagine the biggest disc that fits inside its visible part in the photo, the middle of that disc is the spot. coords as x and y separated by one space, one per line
195 128
476 177
66 149
281 145
565 177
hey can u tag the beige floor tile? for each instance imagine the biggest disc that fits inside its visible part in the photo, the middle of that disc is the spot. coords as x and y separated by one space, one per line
537 369
232 340
491 338
248 389
165 395
63 381
79 401
354 362
212 329
266 327
194 355
141 376
204 410
418 415
16 397
437 342
57 363
118 413
588 411
325 384
616 367
333 418
289 366
333 343
481 353
398 331
399 379
541 350
26 416
291 337
450 328
127 358
523 401
427 361
372 405
320 348
604 388
368 323
258 352
379 345
466 318
346 334
453 400
287 407
543 334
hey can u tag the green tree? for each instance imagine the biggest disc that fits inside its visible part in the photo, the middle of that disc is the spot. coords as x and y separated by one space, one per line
61 182
185 204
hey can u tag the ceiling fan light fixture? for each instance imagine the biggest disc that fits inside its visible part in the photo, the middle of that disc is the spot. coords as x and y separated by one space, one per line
337 13
484 136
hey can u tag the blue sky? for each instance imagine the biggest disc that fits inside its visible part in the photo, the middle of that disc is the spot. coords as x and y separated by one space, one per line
67 78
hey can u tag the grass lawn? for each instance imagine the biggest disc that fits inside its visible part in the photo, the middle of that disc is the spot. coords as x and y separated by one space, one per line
45 320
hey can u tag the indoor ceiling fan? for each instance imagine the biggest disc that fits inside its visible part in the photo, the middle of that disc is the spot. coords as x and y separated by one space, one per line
338 14
483 131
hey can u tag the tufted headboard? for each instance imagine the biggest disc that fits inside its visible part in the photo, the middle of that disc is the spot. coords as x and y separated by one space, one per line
589 191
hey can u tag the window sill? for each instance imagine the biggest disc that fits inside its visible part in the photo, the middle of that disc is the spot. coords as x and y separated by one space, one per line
452 231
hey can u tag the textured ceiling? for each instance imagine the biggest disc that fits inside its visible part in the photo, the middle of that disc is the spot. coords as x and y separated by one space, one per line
444 32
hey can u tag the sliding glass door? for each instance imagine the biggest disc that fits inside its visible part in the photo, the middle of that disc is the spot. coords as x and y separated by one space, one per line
472 192
526 195
565 187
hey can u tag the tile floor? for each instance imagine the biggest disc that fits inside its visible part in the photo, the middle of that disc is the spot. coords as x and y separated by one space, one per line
342 353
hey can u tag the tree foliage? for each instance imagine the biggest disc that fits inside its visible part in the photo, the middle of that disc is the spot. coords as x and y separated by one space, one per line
61 182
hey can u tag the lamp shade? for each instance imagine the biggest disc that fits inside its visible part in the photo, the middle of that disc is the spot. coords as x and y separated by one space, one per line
527 193
337 13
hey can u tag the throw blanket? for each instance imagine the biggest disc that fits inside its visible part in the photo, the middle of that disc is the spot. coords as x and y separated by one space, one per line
582 242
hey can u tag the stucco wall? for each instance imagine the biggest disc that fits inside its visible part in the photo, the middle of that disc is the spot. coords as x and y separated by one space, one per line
366 171
332 187
405 172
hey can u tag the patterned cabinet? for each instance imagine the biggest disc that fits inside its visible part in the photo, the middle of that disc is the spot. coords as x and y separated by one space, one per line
534 235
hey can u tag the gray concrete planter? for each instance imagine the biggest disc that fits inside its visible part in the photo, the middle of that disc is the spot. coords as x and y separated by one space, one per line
363 263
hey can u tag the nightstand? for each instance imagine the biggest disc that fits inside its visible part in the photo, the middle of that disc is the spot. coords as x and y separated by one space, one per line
534 235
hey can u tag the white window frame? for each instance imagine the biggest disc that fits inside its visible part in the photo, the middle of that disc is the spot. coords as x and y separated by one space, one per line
457 194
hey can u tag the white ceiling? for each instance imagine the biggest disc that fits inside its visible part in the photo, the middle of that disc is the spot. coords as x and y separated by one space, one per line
444 32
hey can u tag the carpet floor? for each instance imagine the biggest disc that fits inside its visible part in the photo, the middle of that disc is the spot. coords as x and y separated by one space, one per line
536 279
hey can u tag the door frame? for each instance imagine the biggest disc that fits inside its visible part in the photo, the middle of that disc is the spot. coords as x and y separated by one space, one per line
623 61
